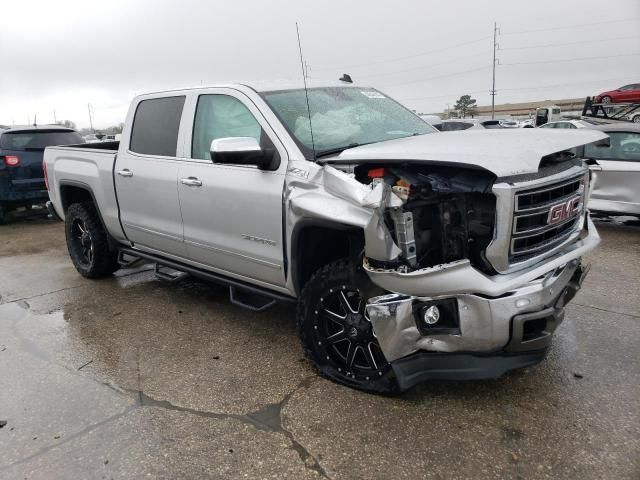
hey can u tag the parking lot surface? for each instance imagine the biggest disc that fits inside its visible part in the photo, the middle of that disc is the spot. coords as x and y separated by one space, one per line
131 377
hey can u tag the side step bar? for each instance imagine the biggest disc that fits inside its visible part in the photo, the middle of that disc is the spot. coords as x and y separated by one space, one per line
248 300
126 260
169 274
244 294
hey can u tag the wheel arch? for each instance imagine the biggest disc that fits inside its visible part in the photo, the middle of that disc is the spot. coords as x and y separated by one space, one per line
337 240
77 192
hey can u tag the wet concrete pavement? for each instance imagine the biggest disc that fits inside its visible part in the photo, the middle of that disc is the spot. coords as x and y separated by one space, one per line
130 377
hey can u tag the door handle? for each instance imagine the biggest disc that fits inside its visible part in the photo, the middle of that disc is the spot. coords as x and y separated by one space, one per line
191 182
125 173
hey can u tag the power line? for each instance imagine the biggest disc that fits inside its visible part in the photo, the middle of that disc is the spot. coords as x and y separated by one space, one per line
518 88
441 96
570 26
441 76
376 62
431 65
567 60
564 84
570 43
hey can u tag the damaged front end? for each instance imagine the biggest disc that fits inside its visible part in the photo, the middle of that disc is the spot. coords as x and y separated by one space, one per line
449 298
445 214
478 274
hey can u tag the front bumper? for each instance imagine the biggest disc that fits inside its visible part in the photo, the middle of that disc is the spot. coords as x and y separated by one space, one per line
422 366
503 322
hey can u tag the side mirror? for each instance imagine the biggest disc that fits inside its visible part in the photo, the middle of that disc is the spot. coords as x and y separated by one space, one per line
240 151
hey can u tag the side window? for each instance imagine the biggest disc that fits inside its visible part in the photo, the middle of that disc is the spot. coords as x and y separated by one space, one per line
622 146
220 116
155 126
548 125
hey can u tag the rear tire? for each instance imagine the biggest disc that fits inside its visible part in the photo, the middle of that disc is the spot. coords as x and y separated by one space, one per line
336 334
88 242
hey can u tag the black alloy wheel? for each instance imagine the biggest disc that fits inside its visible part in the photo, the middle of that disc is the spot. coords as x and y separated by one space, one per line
82 242
336 332
341 322
88 242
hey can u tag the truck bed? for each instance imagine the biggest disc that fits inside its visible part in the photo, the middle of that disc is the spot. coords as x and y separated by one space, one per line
88 165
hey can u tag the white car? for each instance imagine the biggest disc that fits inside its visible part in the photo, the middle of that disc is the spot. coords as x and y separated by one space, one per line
616 174
91 138
568 124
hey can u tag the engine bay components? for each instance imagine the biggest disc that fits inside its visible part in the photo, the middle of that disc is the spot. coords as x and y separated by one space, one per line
446 214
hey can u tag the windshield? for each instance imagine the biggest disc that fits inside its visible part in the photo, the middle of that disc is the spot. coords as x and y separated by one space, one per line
342 117
38 139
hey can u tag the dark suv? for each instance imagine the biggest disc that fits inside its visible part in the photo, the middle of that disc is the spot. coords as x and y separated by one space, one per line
21 149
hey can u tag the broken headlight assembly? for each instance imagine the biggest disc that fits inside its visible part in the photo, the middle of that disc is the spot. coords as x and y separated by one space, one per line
447 214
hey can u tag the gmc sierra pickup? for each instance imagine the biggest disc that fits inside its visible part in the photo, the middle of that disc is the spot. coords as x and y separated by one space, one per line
412 255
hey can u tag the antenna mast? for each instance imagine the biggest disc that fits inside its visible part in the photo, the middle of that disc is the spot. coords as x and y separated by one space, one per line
493 83
306 92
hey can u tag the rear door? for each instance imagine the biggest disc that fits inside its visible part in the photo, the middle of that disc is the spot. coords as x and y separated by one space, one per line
23 151
146 174
616 180
232 213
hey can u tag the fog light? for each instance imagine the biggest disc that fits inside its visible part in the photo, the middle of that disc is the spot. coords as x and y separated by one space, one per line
431 315
437 317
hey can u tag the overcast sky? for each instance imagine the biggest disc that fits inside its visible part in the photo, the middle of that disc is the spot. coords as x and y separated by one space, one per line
60 55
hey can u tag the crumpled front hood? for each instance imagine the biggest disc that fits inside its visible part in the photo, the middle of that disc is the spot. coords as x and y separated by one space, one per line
503 152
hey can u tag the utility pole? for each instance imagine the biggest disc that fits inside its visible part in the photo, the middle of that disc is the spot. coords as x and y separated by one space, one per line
493 82
90 119
55 120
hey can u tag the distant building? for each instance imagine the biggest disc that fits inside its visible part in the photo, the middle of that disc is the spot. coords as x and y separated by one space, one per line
527 109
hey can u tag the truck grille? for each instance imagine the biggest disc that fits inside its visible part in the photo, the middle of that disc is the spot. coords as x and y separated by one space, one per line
545 217
536 217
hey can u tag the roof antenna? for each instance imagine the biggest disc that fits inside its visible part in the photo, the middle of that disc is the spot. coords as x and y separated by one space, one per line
346 78
306 92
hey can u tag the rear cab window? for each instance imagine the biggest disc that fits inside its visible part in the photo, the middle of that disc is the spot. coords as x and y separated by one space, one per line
34 140
156 124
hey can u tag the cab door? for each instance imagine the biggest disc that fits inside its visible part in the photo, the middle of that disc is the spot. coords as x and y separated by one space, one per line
232 214
617 176
146 176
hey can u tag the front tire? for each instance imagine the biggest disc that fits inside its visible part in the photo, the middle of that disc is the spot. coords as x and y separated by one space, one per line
336 333
88 242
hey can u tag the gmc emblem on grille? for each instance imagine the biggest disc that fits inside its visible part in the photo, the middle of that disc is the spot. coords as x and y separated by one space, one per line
563 210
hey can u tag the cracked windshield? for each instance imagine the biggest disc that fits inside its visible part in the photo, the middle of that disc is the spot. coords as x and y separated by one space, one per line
343 117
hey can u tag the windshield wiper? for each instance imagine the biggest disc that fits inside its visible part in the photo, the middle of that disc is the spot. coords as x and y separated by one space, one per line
333 151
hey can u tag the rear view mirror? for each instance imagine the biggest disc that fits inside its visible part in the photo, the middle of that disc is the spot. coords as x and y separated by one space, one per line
240 151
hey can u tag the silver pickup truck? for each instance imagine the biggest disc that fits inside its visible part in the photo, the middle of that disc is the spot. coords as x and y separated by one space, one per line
412 255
